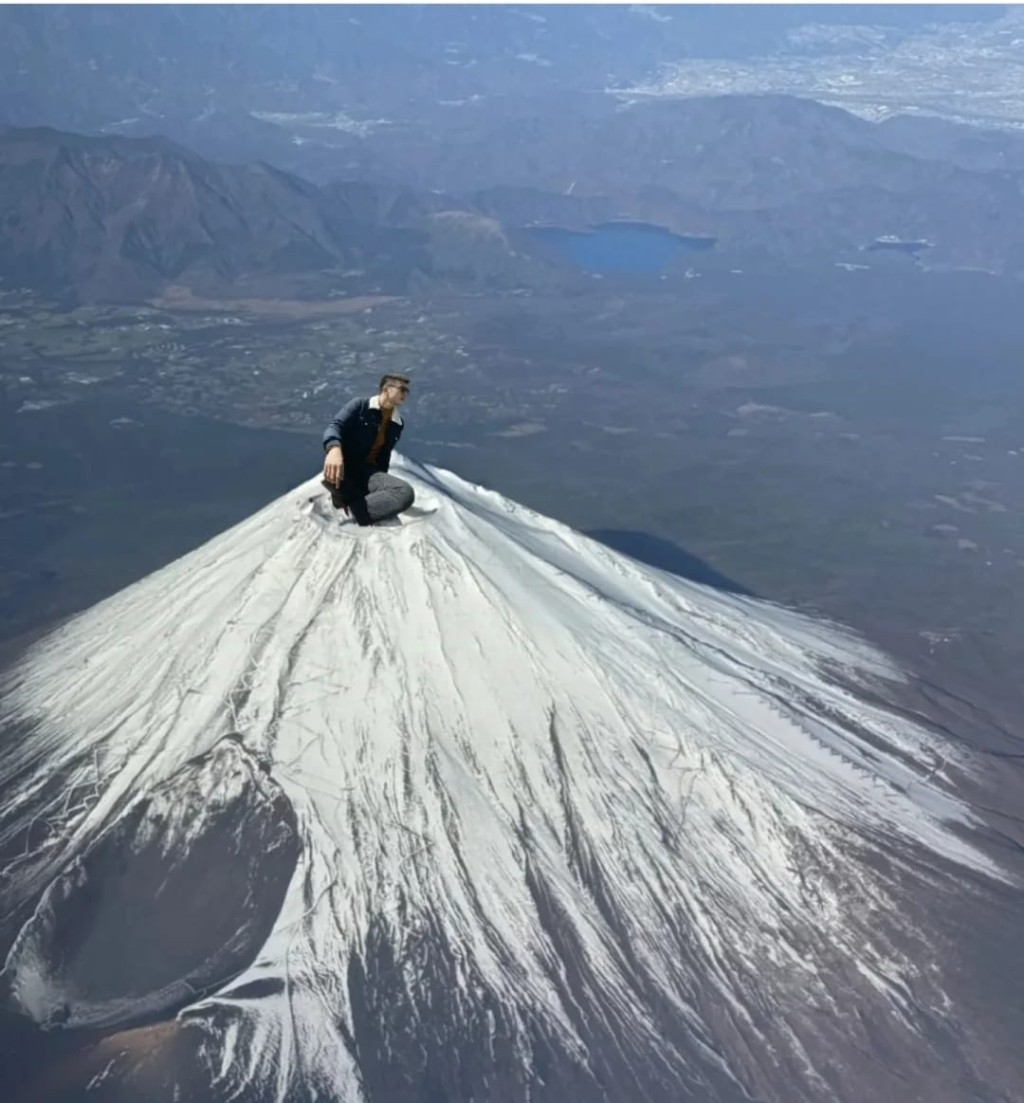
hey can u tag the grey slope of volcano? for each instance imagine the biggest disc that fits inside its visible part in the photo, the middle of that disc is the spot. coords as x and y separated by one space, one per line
471 807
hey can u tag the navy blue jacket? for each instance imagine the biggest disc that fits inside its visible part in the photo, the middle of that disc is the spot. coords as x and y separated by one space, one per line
355 425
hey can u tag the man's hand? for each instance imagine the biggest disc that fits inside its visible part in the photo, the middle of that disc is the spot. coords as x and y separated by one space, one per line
334 466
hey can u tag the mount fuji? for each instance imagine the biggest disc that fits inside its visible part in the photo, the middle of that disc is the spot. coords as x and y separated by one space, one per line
472 808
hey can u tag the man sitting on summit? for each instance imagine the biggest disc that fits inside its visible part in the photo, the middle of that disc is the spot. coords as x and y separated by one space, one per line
358 444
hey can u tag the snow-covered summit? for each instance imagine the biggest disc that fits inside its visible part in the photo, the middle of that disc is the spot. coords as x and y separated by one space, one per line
492 790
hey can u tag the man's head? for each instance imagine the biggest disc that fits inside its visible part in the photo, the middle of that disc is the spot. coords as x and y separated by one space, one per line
394 389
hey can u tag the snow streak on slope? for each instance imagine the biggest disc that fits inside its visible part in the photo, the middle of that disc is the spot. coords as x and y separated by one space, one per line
556 809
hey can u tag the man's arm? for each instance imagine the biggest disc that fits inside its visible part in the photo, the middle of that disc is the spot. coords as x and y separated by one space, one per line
340 424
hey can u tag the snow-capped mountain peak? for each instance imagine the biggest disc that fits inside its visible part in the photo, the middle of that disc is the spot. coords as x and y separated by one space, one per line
489 785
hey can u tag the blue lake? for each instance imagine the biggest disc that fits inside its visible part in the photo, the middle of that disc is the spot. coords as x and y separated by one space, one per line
619 246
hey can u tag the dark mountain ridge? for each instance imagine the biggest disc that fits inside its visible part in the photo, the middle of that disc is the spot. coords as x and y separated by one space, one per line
119 219
98 218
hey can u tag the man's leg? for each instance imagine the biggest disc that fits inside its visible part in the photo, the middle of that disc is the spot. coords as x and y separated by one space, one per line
348 495
387 495
340 495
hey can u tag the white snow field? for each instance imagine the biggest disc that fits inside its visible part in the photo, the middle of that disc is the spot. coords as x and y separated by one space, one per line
548 805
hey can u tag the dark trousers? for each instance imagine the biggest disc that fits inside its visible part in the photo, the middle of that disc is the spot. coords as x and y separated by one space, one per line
372 496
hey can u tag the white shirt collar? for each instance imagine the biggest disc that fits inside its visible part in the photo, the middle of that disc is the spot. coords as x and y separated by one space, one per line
396 417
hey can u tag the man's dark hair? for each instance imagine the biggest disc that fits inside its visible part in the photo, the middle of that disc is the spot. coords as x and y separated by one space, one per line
386 379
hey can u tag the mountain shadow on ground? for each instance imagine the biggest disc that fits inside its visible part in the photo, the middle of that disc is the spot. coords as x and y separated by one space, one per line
666 556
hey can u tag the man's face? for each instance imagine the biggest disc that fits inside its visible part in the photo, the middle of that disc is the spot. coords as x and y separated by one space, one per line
396 393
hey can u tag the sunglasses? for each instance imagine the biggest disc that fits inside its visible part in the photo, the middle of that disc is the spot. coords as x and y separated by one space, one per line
400 387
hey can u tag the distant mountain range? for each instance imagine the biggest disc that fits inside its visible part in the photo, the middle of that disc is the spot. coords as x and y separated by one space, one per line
110 218
115 219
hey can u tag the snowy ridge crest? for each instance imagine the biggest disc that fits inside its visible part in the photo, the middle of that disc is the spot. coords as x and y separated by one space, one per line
543 796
